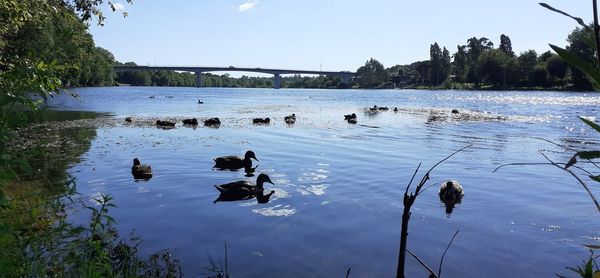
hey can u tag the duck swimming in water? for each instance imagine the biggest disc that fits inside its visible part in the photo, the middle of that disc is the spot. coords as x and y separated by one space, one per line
350 116
233 162
451 193
160 123
261 121
212 122
140 171
291 119
244 190
192 121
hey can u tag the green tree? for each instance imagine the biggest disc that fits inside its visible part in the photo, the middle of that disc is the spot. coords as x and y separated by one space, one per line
527 62
557 68
460 64
577 45
506 45
497 68
540 76
371 75
423 69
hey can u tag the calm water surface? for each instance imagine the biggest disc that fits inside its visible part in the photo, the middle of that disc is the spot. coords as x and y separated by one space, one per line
339 187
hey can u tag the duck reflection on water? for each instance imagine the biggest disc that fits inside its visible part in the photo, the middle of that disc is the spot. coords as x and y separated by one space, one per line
245 190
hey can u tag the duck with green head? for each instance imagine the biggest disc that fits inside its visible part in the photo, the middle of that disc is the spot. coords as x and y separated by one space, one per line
233 162
244 190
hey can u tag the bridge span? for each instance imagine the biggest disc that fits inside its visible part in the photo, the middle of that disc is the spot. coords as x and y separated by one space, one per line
346 76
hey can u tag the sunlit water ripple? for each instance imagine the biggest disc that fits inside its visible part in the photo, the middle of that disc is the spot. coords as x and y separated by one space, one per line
338 187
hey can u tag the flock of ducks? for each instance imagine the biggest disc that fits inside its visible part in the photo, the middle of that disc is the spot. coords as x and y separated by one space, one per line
450 192
289 119
233 191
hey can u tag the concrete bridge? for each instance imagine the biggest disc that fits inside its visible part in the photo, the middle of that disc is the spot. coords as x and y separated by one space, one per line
346 76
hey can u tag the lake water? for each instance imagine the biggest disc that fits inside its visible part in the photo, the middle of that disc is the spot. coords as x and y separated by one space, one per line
339 187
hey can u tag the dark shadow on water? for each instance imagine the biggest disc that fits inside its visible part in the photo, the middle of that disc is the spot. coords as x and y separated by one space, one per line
47 115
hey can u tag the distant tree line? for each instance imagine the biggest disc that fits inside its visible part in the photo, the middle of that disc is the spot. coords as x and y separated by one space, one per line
186 79
478 64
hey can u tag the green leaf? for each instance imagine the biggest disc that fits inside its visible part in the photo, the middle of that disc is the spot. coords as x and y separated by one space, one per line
590 123
579 20
585 66
589 154
589 269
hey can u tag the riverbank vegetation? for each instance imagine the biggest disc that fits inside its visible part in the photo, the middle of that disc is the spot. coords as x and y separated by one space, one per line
44 45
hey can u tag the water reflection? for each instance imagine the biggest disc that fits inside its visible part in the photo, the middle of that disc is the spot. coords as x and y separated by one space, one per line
245 190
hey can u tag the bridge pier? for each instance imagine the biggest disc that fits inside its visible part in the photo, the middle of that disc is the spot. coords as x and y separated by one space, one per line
199 79
277 82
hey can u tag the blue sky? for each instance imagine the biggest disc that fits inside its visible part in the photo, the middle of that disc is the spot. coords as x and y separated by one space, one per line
329 34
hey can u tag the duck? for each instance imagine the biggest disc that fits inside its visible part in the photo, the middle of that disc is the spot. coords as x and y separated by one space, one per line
350 116
140 171
244 190
165 123
290 119
383 108
395 109
451 193
352 121
260 121
212 122
373 109
200 102
151 97
129 119
192 121
455 111
235 162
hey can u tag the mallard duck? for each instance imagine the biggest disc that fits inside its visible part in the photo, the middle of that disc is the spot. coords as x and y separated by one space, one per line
451 193
212 122
192 121
243 190
291 119
235 162
350 116
140 171
260 121
165 123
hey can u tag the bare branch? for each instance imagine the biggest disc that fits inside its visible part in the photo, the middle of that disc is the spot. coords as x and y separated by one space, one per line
423 264
577 178
411 179
348 273
443 255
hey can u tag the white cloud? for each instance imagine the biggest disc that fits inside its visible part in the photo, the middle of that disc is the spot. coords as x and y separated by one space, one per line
247 6
118 6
